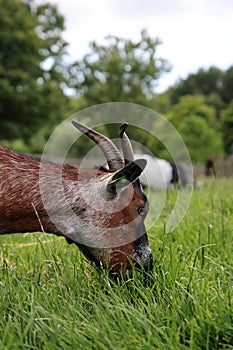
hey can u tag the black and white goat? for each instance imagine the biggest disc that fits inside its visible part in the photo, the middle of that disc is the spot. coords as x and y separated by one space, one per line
159 174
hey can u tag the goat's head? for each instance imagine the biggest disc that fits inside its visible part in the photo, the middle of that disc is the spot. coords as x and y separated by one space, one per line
109 225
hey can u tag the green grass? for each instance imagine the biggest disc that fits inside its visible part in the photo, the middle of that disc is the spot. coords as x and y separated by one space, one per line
53 298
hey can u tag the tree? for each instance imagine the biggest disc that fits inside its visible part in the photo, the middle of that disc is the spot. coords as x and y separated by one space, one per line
119 70
201 141
31 73
227 88
161 102
204 82
197 123
227 128
215 100
192 106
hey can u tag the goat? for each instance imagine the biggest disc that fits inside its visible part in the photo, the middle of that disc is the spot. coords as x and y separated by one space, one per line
101 211
160 174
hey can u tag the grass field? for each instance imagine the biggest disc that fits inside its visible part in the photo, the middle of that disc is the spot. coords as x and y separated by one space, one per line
53 298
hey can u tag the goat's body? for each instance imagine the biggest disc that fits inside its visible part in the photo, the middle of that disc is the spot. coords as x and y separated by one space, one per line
21 205
19 188
160 174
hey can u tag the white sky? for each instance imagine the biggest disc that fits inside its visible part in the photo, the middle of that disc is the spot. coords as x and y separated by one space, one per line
194 33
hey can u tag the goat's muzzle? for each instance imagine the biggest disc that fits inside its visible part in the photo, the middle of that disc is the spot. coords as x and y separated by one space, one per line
144 260
142 257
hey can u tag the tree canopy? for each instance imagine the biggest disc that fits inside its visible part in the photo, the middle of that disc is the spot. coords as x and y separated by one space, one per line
209 94
35 78
227 128
31 78
204 82
202 141
119 70
190 105
197 123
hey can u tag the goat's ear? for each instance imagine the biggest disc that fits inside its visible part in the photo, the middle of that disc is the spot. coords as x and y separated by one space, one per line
126 175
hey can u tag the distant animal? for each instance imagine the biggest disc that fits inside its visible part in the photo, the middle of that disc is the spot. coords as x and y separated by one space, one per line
210 168
101 211
161 174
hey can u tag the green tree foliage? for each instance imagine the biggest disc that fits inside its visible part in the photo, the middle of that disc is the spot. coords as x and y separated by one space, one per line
208 94
31 73
227 86
204 82
215 100
227 128
196 122
119 70
192 105
214 84
161 102
201 141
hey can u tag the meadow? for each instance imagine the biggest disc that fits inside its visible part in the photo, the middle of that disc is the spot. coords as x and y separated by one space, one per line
52 298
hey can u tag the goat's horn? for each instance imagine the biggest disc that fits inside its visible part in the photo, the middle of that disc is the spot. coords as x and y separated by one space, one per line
112 154
126 144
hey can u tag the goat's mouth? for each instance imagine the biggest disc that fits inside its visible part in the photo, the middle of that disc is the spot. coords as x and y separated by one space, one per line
142 262
128 273
119 263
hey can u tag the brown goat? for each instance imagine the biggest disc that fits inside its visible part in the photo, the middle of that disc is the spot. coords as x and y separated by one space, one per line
101 211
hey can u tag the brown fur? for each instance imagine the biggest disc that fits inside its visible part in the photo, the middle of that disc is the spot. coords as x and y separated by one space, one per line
22 208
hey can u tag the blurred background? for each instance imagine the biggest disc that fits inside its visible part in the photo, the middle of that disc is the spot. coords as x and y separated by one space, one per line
175 57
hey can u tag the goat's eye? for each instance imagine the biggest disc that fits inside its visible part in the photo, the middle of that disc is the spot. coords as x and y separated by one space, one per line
141 211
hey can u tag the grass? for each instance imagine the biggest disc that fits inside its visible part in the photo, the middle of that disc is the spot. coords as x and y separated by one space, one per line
53 298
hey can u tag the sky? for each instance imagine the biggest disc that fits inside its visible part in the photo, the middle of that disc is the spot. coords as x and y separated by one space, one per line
194 33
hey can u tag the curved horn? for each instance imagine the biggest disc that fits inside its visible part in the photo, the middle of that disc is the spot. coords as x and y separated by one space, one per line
112 154
126 144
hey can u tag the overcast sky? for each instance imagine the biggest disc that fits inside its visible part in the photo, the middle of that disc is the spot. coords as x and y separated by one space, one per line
194 33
